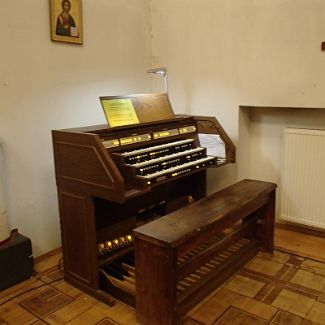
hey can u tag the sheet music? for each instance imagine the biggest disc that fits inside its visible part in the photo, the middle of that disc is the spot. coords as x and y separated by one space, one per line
119 112
214 144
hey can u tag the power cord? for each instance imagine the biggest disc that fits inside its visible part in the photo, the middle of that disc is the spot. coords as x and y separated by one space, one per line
60 268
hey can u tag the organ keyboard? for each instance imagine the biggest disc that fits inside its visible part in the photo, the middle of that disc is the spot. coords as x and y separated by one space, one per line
112 180
153 164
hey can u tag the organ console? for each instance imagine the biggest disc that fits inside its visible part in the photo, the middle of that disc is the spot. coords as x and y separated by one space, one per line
113 181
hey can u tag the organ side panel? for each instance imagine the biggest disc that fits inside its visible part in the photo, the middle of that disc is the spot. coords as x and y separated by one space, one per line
78 237
82 163
210 125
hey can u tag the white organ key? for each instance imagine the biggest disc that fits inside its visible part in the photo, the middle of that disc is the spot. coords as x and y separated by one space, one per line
165 145
159 159
176 168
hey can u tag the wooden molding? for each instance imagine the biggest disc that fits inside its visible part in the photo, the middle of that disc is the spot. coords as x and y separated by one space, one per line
323 46
301 228
48 254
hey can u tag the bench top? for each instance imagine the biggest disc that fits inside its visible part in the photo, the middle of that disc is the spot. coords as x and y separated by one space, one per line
210 212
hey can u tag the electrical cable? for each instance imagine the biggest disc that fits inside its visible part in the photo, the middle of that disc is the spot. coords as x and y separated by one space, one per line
39 278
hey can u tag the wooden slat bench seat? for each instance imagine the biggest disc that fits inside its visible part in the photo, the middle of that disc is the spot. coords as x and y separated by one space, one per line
183 256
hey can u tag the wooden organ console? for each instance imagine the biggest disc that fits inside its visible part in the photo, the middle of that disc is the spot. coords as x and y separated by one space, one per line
129 227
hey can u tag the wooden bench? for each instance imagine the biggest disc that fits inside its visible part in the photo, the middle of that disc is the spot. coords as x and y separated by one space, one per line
183 256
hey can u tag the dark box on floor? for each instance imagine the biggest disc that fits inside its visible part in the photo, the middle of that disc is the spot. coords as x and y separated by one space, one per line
16 261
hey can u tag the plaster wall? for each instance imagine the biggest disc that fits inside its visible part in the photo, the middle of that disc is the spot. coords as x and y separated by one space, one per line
47 85
230 53
261 140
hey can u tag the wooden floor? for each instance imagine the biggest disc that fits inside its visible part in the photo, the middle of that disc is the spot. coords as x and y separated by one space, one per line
301 244
286 288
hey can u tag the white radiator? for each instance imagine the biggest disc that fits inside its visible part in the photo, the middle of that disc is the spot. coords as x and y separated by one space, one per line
303 177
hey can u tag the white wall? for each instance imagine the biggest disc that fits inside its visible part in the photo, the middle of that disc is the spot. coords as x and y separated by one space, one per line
226 53
261 136
47 85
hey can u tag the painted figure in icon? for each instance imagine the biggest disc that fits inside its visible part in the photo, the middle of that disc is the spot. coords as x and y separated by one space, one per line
65 24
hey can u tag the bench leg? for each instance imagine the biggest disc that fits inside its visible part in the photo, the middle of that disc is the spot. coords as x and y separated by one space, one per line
267 231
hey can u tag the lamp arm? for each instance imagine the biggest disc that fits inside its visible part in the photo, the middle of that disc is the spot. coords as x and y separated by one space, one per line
166 83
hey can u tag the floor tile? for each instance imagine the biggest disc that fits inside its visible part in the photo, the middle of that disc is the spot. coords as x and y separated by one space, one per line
268 267
46 302
245 286
93 315
277 256
107 321
309 280
286 318
235 316
317 313
254 307
314 266
308 322
214 307
190 321
80 304
294 303
2 322
13 313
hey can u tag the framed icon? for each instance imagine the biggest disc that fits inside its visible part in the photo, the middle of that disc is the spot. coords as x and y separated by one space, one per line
66 21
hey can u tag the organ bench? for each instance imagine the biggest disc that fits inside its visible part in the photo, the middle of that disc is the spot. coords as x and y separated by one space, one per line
183 256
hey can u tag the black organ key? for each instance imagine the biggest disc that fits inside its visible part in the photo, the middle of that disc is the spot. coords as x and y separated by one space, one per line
113 272
116 266
128 259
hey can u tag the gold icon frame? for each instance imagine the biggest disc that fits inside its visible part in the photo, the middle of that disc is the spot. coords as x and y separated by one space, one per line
75 12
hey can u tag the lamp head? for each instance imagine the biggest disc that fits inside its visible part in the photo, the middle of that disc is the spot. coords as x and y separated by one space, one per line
161 71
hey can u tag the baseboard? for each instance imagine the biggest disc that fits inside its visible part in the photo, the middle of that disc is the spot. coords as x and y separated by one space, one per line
48 254
301 228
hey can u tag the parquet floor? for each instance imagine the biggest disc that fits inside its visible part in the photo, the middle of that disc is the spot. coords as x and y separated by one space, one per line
286 288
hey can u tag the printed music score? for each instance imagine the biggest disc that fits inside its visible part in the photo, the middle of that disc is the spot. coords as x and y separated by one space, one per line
119 112
214 144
